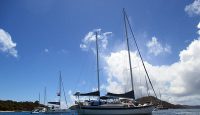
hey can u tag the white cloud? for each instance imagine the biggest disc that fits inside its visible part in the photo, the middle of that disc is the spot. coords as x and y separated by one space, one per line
180 80
46 50
194 8
6 43
91 37
156 47
71 98
198 27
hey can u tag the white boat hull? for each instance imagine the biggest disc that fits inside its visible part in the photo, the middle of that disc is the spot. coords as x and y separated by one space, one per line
57 111
146 110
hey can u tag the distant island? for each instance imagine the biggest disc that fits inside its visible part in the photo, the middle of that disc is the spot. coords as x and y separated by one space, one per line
9 105
165 104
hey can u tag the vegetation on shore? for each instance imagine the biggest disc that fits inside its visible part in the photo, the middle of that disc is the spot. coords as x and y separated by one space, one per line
165 104
9 105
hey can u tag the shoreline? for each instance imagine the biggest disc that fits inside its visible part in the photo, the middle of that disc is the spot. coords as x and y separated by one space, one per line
7 111
13 111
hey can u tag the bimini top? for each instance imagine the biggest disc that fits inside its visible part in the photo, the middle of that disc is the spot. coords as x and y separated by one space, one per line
96 93
129 94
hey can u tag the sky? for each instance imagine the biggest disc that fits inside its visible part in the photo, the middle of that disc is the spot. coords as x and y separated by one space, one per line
40 38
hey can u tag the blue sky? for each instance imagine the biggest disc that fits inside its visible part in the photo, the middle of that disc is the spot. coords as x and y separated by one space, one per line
48 35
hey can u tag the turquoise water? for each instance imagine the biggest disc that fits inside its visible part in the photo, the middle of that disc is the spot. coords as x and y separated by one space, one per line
160 112
177 112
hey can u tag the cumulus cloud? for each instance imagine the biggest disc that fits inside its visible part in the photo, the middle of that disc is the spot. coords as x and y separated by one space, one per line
90 37
117 68
156 47
179 81
71 99
198 27
6 44
194 8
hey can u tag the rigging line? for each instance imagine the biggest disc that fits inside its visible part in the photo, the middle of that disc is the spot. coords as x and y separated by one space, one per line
129 56
160 96
147 85
64 91
138 61
139 52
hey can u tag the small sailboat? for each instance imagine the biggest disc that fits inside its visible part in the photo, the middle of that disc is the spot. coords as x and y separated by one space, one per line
55 107
40 109
111 103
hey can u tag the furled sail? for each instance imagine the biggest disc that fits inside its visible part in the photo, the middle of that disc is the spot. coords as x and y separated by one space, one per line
129 94
108 97
55 103
96 93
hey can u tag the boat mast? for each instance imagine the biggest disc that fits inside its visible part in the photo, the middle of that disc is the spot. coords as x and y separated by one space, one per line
45 95
97 50
60 89
126 18
64 91
129 56
39 97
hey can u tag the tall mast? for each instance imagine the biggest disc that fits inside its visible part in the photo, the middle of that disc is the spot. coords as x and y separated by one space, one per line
60 89
63 90
45 95
39 97
97 49
129 56
126 18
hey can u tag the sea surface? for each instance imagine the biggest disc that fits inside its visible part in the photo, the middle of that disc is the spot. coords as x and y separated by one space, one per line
160 112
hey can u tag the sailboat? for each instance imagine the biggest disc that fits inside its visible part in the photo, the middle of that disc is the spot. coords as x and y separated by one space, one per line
40 109
55 107
111 103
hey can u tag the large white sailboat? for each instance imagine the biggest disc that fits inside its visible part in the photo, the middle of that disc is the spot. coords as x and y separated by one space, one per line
115 104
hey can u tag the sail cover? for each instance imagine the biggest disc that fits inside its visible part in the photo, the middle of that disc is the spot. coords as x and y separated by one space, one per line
55 103
108 97
129 94
96 93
